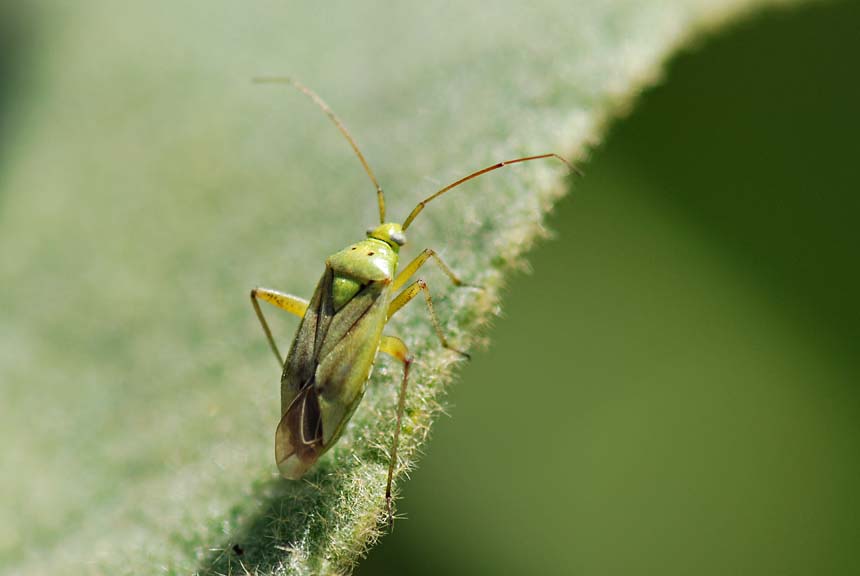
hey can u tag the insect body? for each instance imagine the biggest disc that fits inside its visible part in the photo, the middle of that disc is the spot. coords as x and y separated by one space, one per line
341 331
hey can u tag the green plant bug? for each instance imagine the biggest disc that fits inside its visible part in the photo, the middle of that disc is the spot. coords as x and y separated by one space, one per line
340 334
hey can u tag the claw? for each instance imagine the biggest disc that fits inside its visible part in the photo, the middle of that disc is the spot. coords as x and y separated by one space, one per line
388 510
465 355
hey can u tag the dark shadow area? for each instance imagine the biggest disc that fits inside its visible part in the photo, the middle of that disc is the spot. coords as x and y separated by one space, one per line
751 144
17 29
263 541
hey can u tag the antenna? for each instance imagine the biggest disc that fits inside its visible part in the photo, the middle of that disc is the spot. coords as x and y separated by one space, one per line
340 126
417 210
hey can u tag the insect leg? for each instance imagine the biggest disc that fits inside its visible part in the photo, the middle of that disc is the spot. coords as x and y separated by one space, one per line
395 347
411 292
286 302
413 267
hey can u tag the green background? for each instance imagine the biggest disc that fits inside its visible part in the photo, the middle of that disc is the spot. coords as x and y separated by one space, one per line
675 389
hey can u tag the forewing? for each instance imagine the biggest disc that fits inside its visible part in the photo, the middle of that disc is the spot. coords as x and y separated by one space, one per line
325 373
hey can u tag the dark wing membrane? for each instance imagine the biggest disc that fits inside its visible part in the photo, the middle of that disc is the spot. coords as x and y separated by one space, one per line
298 439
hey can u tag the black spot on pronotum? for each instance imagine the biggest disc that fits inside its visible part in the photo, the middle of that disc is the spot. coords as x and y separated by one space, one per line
370 253
353 247
237 550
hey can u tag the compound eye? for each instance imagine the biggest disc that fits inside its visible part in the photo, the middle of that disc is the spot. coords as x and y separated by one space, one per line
399 238
369 231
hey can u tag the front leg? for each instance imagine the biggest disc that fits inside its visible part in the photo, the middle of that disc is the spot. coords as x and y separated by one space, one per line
413 267
410 293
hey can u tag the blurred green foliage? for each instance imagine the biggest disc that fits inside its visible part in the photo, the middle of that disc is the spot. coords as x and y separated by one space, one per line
676 387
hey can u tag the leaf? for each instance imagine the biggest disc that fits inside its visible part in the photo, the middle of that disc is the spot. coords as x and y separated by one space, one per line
151 185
